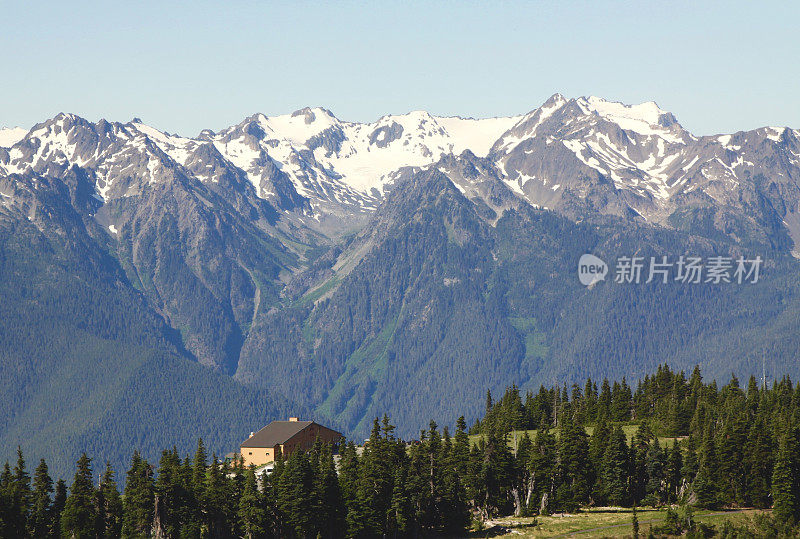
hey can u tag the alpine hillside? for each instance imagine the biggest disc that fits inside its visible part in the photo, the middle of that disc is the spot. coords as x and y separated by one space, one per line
300 263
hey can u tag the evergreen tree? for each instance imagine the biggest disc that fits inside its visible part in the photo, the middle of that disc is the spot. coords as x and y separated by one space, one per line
574 468
109 506
495 475
214 500
673 471
706 483
691 461
59 502
331 509
16 494
453 508
295 492
598 443
401 517
138 500
615 469
461 448
171 496
40 523
78 517
199 468
375 486
655 468
252 514
6 500
758 464
349 471
786 479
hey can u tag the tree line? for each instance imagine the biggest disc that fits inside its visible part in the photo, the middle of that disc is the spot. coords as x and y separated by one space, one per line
693 443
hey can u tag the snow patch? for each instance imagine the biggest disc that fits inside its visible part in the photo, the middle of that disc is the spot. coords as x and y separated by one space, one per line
11 135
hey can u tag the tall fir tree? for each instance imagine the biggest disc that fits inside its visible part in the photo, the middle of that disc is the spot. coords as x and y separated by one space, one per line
786 479
109 506
251 512
673 471
40 523
57 509
574 469
615 469
79 515
138 499
706 484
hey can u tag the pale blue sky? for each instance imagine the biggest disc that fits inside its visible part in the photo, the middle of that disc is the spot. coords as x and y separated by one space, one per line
719 67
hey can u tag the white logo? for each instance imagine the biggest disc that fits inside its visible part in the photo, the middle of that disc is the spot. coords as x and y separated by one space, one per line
591 270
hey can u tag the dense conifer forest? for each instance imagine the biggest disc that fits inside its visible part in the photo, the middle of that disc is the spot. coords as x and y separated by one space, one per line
670 441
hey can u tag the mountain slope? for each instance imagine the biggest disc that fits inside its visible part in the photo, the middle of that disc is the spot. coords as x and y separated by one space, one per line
402 265
86 363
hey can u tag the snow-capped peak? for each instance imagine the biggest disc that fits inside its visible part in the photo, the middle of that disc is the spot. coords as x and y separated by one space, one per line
299 126
11 135
648 112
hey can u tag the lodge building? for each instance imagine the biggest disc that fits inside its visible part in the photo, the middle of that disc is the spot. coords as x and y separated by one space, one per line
286 437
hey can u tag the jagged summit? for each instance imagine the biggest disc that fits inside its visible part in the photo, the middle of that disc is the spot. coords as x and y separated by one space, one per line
567 154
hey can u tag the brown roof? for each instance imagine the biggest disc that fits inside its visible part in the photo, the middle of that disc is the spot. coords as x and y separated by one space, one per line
275 433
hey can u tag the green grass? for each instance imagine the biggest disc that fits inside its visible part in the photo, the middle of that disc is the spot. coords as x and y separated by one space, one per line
369 361
313 295
535 340
605 522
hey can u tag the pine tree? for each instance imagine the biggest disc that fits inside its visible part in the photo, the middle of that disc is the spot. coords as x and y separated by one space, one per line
673 472
706 483
758 464
375 486
138 500
295 491
543 465
453 506
19 493
401 516
172 495
786 479
431 517
252 514
598 443
214 501
78 517
495 475
615 469
461 448
269 495
691 461
59 502
6 501
574 465
604 401
109 506
655 468
40 524
199 467
331 510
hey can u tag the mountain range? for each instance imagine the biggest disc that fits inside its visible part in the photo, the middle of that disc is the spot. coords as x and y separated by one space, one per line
158 288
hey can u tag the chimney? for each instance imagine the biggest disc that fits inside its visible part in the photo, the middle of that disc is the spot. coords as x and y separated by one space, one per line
292 419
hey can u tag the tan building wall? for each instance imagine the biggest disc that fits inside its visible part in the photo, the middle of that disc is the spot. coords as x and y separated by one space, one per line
257 455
